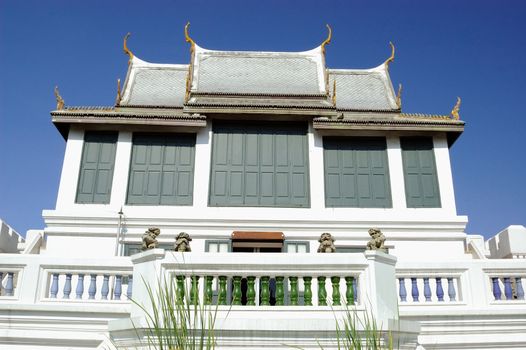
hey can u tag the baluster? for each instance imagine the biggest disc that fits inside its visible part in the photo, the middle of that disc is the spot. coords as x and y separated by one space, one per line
507 288
236 293
349 293
180 289
9 287
355 289
336 290
92 290
414 289
54 286
251 291
518 287
451 289
194 290
280 293
322 292
307 296
402 292
293 290
209 293
496 288
104 291
117 291
67 286
129 290
1 279
221 296
427 289
265 293
440 291
80 286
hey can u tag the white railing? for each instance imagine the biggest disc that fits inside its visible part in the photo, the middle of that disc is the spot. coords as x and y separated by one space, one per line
46 279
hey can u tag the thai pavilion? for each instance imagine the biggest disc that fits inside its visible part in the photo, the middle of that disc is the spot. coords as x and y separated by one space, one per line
256 155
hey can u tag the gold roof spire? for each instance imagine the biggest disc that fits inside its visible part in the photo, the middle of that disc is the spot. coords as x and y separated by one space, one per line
187 36
191 65
328 40
392 57
399 96
60 100
456 109
125 47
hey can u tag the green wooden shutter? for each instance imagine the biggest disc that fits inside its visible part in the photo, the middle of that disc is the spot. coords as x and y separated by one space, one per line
162 169
421 182
96 169
259 165
356 172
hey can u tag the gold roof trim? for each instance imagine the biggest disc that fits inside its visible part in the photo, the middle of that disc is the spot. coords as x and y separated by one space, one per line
334 92
60 100
424 116
392 57
191 65
328 40
399 96
125 47
119 93
456 109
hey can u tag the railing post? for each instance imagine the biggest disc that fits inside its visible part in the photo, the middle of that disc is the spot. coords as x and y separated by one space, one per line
265 293
414 289
307 295
236 293
209 294
335 290
322 292
427 289
349 293
496 288
194 290
251 292
179 283
507 288
105 290
54 286
129 290
401 289
80 286
440 291
280 293
117 291
451 289
221 296
293 290
92 286
67 286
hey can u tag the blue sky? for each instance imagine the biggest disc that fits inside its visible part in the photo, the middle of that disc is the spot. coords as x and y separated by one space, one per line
472 49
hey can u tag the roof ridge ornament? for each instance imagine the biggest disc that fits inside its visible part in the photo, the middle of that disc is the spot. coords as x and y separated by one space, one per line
399 96
119 93
187 35
60 100
328 40
392 57
456 109
125 47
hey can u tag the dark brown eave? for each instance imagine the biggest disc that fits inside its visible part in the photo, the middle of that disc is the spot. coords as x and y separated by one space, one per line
110 116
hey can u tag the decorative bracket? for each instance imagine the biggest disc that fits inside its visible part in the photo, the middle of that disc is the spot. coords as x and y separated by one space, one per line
60 100
125 47
456 109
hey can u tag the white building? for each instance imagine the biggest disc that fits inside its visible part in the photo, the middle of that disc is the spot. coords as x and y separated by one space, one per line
252 153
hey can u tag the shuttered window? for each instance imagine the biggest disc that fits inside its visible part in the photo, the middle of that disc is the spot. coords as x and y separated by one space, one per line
96 168
421 182
356 172
259 165
162 169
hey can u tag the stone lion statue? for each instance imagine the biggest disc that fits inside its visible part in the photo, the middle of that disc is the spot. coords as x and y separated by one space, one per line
377 240
149 238
326 243
182 242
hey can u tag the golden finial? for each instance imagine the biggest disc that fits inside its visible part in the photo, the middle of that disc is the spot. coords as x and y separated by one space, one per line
399 97
456 109
118 99
392 57
60 100
125 47
187 36
334 92
328 40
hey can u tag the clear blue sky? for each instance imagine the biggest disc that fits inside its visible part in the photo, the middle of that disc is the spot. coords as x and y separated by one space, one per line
472 49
